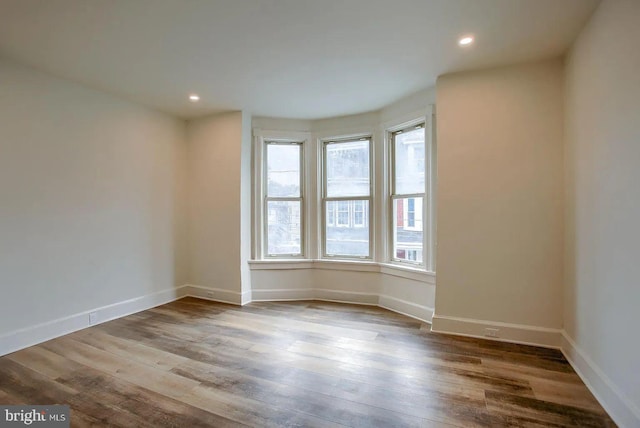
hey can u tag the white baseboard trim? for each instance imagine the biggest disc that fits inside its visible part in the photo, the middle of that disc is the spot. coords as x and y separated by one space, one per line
282 295
29 336
419 312
514 333
410 309
620 408
217 294
341 296
293 294
245 297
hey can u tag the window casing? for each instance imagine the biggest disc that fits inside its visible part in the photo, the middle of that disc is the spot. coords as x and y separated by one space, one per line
283 209
347 198
408 184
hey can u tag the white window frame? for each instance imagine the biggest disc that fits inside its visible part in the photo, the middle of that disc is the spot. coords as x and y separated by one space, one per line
427 216
299 199
259 192
325 199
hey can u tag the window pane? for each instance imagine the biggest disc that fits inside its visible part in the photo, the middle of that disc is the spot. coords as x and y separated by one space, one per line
343 213
283 170
349 234
409 162
348 168
408 230
359 213
283 220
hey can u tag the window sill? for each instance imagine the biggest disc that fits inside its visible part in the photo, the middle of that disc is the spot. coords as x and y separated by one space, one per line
407 272
280 264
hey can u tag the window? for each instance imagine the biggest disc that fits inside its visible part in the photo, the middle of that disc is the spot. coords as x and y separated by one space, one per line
283 199
359 214
343 213
318 194
411 212
347 192
408 194
331 215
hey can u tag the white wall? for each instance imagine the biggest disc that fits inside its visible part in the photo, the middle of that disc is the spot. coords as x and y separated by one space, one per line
219 161
408 104
281 124
363 121
397 110
91 199
602 294
408 296
282 284
499 205
246 175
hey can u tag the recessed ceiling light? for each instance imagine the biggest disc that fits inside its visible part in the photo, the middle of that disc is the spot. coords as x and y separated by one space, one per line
194 98
465 41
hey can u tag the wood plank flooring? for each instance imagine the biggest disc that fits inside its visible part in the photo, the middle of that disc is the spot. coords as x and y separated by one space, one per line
194 363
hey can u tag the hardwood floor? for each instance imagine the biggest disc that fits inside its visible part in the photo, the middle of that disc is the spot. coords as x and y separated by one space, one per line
194 363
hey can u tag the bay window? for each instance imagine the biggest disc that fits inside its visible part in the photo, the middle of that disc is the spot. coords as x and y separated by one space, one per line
368 196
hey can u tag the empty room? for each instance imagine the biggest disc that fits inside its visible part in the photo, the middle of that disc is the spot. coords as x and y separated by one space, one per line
319 213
